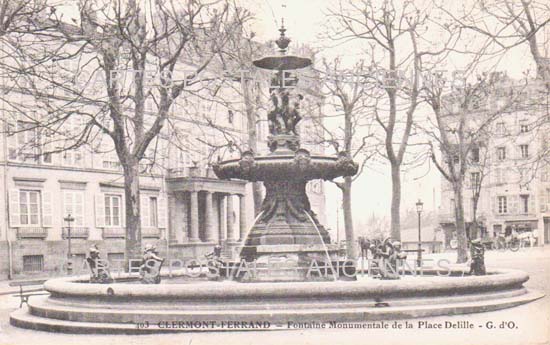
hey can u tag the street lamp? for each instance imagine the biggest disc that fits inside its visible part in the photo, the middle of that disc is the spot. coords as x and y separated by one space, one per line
69 219
419 206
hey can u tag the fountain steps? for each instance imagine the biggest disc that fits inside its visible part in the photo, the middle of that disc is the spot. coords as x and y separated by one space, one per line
45 316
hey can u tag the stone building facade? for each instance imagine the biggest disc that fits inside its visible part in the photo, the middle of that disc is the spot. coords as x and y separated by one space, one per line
185 209
513 167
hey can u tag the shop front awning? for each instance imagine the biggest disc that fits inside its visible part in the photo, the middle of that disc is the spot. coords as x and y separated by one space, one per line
529 224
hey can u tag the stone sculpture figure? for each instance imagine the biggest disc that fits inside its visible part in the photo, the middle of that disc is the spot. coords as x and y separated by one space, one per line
151 264
477 254
285 115
215 263
99 272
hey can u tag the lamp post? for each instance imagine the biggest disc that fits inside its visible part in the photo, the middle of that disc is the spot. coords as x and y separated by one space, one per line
419 206
69 219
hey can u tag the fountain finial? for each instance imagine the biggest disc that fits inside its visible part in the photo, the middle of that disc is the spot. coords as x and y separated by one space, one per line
283 62
283 41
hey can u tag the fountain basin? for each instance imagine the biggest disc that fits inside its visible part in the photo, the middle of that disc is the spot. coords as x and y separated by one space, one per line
121 308
296 166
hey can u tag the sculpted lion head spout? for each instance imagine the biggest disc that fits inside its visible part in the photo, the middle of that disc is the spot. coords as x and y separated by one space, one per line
302 159
346 165
247 163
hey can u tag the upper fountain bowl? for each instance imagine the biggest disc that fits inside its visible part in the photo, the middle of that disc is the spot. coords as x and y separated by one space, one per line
299 165
282 63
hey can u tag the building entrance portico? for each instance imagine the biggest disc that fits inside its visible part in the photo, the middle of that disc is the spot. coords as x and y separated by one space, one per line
204 212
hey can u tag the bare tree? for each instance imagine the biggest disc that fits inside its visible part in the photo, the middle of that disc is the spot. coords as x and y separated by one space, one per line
97 68
392 30
347 91
459 137
509 24
20 15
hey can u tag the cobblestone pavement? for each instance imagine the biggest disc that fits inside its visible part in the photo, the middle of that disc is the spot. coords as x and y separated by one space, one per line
531 322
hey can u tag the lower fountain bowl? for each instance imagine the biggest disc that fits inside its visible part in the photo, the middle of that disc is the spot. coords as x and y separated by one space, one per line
78 307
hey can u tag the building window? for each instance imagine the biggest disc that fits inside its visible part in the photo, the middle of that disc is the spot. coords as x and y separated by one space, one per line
501 153
26 141
112 210
524 203
33 263
475 155
475 179
502 205
524 150
111 161
29 207
523 128
153 212
72 158
501 128
184 160
73 204
230 116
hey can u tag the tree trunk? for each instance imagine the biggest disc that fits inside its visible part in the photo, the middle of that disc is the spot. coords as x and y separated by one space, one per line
462 248
250 108
132 248
396 202
351 246
474 232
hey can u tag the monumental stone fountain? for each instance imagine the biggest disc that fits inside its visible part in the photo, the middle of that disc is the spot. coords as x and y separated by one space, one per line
286 231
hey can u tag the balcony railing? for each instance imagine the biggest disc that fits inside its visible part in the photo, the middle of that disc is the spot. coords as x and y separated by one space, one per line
150 232
192 172
76 232
32 233
114 232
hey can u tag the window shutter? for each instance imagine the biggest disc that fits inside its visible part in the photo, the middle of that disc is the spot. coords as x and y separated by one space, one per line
12 141
14 208
123 210
531 203
144 211
494 206
46 209
161 211
88 210
513 204
100 210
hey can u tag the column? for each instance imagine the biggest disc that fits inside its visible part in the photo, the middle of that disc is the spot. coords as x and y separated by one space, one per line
179 218
229 219
242 217
194 233
209 218
221 217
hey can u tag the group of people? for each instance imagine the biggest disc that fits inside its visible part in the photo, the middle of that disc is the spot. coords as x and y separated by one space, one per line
386 253
149 269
